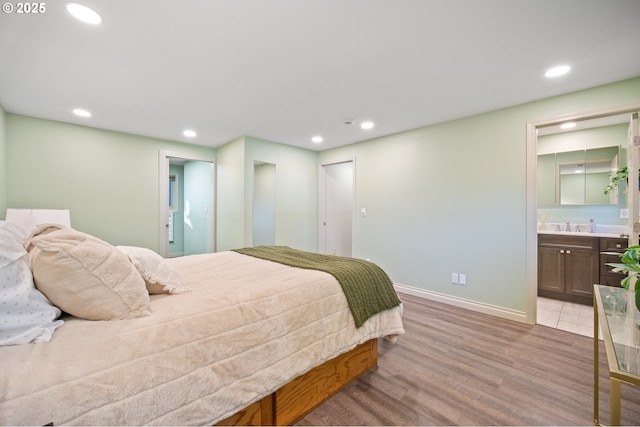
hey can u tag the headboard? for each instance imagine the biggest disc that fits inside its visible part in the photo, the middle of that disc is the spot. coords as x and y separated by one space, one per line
28 219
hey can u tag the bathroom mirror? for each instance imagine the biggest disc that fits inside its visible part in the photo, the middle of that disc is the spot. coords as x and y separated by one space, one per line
575 164
577 177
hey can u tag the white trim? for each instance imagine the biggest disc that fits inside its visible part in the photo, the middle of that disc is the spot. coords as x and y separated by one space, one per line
492 310
163 189
531 224
532 196
163 178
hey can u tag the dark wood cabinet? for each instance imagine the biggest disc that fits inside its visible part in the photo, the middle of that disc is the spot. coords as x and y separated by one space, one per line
568 267
610 250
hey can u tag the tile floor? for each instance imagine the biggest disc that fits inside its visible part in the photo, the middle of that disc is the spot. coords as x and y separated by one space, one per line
576 318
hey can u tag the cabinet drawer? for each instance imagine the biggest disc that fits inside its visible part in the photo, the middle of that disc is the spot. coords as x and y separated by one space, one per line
605 270
613 244
575 242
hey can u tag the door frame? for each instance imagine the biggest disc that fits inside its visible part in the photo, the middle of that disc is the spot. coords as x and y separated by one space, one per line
163 209
322 201
532 194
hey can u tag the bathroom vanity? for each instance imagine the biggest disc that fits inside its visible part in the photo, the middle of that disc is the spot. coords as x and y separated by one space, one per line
569 264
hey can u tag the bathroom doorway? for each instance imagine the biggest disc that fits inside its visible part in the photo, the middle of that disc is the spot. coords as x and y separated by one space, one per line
186 223
533 131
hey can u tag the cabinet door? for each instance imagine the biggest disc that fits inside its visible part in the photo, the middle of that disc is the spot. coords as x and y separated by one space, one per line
551 269
582 272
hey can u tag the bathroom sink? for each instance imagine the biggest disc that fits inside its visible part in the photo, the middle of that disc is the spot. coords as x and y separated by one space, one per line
601 230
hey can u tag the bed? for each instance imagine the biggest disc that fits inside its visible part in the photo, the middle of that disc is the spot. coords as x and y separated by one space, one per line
244 340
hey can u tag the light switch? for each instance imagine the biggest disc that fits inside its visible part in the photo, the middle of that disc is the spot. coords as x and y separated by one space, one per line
364 211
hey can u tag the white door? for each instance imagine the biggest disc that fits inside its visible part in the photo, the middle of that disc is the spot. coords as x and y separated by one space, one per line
336 209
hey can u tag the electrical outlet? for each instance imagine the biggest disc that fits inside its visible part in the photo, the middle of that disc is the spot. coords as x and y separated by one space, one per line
624 213
455 278
462 279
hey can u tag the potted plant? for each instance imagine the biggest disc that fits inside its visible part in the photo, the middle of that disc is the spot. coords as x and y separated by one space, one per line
631 265
621 176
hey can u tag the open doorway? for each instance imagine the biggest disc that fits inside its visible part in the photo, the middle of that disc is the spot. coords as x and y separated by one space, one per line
264 203
533 218
186 223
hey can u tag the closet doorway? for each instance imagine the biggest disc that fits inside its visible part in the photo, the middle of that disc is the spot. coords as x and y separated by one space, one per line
264 203
336 208
186 223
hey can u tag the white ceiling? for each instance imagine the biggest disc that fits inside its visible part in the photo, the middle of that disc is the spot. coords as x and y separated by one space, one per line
286 70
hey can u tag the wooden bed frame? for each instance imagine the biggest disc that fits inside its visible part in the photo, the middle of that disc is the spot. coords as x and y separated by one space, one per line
296 399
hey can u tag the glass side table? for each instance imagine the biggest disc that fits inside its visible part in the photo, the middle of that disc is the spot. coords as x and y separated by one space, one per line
621 336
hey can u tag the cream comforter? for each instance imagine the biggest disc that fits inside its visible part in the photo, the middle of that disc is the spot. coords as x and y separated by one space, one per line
248 327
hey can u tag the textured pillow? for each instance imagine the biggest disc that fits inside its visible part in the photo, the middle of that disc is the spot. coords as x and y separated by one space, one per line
25 314
159 276
87 277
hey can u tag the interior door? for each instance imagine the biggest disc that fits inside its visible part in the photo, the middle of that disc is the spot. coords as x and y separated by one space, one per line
337 209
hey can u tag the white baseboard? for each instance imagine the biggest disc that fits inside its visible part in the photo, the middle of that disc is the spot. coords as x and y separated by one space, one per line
481 307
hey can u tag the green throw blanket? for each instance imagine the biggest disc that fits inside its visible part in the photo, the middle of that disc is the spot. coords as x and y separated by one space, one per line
367 287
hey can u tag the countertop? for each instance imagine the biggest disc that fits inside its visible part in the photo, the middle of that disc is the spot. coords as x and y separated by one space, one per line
580 233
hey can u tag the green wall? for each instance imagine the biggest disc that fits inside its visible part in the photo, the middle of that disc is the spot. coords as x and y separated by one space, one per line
440 199
109 180
230 195
451 198
296 193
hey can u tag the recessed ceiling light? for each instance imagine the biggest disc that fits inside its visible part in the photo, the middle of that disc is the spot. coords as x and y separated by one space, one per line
317 139
82 113
366 125
189 133
557 71
83 13
568 125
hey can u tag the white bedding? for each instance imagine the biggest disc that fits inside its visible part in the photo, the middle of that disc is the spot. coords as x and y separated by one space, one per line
248 327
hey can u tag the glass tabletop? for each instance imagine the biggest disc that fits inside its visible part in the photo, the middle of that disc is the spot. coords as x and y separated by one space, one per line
620 326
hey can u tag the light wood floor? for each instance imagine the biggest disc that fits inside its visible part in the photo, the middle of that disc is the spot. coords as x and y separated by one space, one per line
458 367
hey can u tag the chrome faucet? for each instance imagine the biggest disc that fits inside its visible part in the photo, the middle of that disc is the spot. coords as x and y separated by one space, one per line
568 227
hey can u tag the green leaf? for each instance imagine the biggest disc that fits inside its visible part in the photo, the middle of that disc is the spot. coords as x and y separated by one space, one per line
625 283
630 256
624 267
